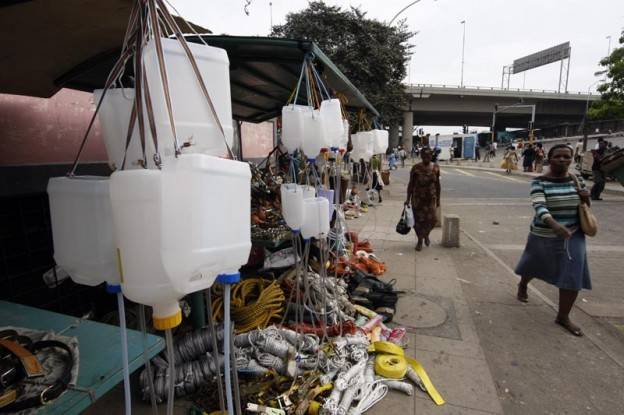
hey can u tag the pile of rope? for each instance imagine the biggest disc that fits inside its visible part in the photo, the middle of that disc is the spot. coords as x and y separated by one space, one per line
255 302
313 297
257 352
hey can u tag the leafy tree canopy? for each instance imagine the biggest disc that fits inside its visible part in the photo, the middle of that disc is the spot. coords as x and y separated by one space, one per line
611 104
370 53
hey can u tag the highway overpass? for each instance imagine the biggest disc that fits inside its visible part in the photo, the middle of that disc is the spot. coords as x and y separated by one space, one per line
454 106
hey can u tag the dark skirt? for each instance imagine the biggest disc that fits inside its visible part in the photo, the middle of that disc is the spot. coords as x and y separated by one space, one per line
557 261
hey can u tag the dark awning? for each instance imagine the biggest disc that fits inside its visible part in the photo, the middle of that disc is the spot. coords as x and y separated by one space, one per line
45 42
264 71
49 45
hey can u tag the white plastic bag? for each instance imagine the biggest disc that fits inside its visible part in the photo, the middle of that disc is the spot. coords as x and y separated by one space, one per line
409 216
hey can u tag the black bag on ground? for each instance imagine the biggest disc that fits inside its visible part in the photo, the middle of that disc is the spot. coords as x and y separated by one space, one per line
402 227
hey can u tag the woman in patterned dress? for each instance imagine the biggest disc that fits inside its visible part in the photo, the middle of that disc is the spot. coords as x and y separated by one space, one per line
423 192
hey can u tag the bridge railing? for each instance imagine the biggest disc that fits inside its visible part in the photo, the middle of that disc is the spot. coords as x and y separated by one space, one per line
491 88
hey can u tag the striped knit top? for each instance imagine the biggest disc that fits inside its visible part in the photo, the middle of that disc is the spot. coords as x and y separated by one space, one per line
556 198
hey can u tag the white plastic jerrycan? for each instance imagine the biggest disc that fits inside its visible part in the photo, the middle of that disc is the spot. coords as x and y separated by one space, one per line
206 219
329 195
292 205
178 228
293 125
314 134
316 222
293 196
344 138
333 126
114 117
369 139
363 145
380 143
82 232
136 198
309 192
194 121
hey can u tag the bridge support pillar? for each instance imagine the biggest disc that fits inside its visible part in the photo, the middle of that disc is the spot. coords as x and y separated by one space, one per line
393 135
408 128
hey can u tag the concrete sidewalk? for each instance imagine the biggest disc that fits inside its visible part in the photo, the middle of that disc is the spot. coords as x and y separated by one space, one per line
484 351
434 312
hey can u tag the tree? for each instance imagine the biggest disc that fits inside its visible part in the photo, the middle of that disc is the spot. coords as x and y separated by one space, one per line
370 53
611 104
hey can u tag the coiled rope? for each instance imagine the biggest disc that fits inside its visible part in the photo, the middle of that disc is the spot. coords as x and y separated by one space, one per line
255 303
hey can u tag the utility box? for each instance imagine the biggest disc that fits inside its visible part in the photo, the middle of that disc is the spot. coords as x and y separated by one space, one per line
450 231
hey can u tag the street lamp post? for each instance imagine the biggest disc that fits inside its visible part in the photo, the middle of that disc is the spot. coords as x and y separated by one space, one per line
402 10
463 22
609 48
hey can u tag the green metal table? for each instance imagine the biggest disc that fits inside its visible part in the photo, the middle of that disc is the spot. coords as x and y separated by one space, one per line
100 353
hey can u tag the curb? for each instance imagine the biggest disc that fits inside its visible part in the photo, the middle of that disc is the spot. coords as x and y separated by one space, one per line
608 190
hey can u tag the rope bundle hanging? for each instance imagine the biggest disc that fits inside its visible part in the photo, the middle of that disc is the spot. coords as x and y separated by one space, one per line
255 302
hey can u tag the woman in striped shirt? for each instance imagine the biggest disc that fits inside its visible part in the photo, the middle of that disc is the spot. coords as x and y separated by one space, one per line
555 251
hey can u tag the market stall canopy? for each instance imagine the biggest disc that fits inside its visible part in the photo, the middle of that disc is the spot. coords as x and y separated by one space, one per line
264 72
75 43
47 42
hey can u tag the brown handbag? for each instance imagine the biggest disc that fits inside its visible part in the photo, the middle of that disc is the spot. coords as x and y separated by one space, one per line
589 223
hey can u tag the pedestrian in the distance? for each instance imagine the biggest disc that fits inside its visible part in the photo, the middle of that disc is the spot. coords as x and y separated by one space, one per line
528 158
598 175
555 250
477 153
510 160
423 192
540 155
488 153
402 156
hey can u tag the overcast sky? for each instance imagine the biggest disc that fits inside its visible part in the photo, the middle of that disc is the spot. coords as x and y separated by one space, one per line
497 32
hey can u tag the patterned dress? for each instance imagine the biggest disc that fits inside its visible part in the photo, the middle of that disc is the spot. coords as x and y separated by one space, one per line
423 188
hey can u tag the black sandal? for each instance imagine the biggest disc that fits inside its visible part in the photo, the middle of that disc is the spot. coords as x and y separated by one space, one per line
567 324
522 294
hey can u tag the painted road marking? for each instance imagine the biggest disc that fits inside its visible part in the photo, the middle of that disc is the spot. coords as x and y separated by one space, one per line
590 248
500 176
465 173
